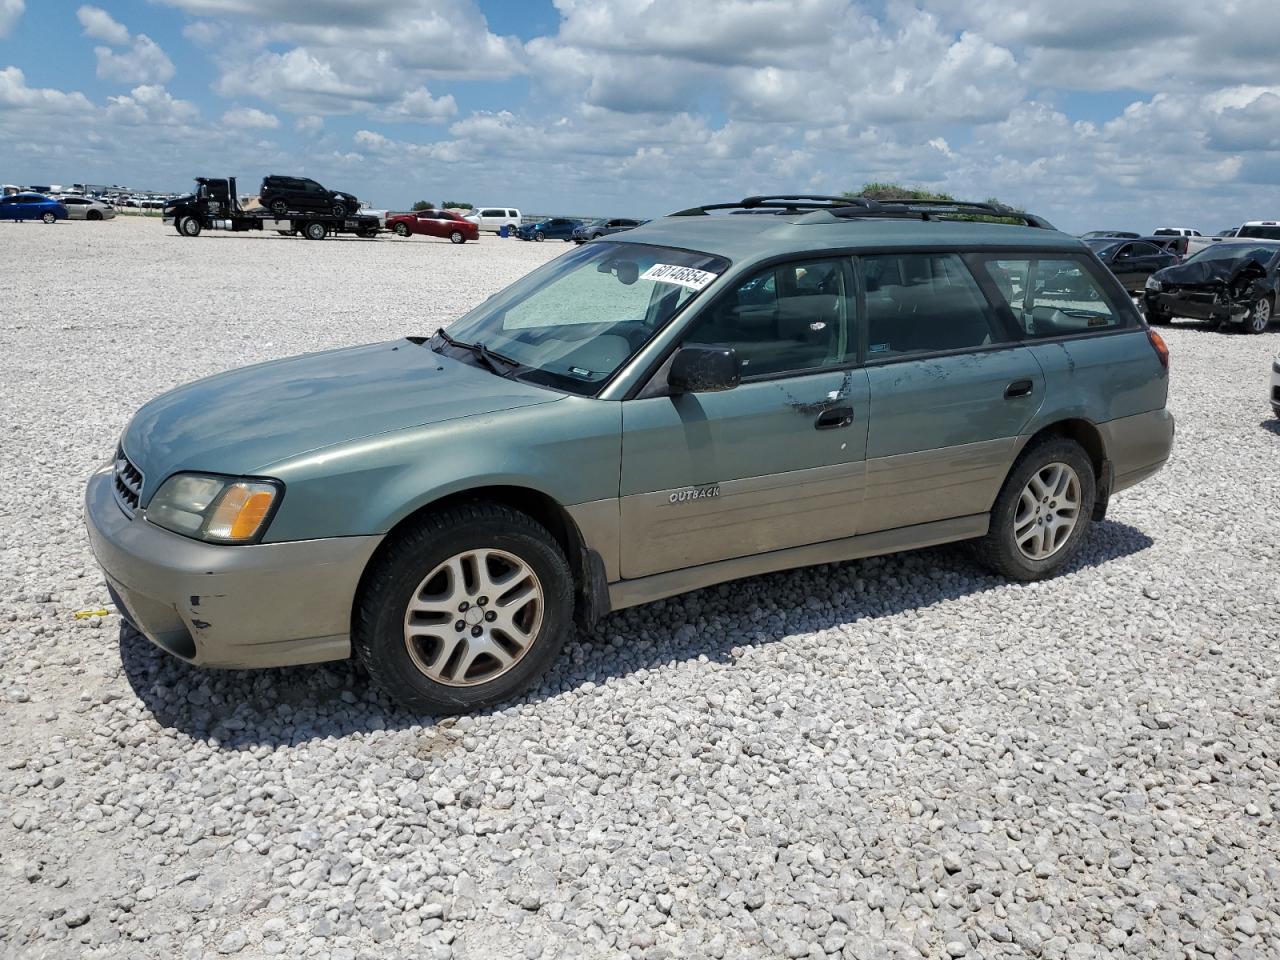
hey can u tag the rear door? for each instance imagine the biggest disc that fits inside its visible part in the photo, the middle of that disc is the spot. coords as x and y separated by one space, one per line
777 461
950 391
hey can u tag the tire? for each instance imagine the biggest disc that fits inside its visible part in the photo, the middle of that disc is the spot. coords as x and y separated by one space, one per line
315 230
537 235
48 216
1156 318
999 550
369 233
457 237
1259 317
189 226
93 215
398 659
279 208
402 230
339 209
511 229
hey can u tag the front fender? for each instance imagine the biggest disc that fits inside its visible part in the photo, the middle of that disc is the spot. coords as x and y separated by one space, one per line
569 451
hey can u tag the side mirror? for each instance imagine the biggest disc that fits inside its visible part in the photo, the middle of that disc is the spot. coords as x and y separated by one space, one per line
700 368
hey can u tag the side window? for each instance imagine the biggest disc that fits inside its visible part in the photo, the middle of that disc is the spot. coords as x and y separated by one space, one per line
1054 297
924 303
492 213
1143 249
789 318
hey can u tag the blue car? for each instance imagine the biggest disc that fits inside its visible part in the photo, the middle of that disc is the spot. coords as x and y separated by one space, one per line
556 228
31 206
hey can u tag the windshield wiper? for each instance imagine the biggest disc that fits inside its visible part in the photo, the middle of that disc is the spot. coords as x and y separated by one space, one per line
493 360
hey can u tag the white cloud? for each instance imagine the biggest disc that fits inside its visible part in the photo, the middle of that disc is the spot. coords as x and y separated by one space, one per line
144 62
100 25
419 105
309 124
153 105
15 95
250 118
10 12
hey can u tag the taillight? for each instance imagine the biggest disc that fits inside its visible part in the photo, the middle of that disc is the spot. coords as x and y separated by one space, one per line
1159 346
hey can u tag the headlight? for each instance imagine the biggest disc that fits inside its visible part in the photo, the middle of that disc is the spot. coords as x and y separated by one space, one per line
1154 284
214 509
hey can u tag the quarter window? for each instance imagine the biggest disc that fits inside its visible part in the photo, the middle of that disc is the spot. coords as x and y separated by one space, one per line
924 303
789 318
1054 297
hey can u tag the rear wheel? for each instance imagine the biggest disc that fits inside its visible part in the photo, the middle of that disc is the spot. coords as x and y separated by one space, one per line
279 208
402 229
315 230
93 215
369 233
48 216
189 226
1259 317
1042 513
457 237
464 610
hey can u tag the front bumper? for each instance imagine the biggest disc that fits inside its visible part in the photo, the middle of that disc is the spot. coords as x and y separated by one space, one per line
1196 305
265 605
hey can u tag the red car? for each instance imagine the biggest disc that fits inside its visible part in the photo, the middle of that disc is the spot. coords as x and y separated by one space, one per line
434 223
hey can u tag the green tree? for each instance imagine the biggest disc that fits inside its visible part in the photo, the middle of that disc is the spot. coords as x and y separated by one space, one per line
896 191
457 205
423 205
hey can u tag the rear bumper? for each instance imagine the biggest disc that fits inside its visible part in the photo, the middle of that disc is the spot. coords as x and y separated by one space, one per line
265 605
1138 446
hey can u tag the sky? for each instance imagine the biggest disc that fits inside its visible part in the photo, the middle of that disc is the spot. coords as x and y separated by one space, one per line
1097 114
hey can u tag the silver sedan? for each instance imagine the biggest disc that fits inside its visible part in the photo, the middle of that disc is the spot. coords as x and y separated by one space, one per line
86 208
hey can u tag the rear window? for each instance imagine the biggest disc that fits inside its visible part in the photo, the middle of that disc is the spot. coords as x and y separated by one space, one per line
1260 232
1055 296
924 303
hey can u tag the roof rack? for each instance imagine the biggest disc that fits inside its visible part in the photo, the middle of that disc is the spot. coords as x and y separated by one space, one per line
865 207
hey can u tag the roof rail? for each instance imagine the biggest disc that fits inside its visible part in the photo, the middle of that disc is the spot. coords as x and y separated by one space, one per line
860 207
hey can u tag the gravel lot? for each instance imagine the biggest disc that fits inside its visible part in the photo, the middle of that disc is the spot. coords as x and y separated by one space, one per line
889 758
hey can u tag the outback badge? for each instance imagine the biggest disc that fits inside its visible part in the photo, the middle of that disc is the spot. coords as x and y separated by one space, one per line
694 493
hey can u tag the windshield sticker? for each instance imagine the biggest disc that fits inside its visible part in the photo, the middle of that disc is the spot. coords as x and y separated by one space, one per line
689 277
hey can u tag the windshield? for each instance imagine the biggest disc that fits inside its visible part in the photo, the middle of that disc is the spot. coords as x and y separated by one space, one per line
1260 232
573 323
1234 251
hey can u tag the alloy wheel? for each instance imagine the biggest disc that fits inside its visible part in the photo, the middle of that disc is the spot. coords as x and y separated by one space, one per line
473 617
1048 510
1260 319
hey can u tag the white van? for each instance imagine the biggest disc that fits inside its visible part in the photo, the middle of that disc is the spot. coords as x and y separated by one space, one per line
495 218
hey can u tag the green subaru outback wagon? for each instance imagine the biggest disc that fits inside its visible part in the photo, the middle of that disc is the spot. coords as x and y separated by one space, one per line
731 390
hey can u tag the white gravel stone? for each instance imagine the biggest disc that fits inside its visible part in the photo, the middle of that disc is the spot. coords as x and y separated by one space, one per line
898 757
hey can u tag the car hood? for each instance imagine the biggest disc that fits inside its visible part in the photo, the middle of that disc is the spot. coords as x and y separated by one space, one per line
243 421
1197 273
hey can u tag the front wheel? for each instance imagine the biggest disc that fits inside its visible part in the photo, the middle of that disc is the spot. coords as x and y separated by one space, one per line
465 610
315 230
457 237
189 227
1042 513
48 216
339 209
1259 317
537 235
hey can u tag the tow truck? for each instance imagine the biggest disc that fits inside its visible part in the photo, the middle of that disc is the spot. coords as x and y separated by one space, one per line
215 205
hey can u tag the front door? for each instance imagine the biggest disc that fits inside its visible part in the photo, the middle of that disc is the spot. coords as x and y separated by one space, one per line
776 462
950 392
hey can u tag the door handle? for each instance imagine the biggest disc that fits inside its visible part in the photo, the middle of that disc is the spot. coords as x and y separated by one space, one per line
834 417
1019 388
